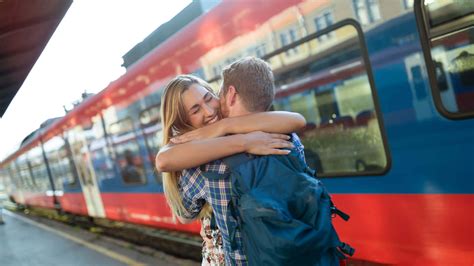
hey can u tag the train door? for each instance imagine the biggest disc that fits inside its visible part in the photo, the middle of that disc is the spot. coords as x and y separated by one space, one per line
86 174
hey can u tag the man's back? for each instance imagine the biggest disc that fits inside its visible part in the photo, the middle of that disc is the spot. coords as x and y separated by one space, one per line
196 188
284 212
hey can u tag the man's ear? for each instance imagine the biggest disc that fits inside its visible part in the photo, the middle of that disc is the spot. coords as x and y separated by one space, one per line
231 95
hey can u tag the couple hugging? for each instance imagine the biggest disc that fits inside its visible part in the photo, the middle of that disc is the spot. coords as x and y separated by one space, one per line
199 129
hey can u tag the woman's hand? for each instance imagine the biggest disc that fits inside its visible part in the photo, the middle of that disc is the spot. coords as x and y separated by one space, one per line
261 143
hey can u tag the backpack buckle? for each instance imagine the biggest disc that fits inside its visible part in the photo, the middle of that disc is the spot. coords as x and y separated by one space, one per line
341 214
346 249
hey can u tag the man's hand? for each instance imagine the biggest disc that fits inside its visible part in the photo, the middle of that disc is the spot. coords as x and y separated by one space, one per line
261 143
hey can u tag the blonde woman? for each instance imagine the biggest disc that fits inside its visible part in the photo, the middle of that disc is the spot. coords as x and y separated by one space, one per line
189 103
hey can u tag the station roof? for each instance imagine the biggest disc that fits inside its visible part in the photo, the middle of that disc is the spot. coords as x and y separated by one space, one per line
25 28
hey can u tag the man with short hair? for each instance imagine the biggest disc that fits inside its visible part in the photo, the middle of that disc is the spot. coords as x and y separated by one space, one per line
248 87
249 81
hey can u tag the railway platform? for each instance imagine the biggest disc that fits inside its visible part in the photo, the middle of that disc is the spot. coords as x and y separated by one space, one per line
27 240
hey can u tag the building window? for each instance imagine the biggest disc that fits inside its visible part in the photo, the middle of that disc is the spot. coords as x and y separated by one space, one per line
283 39
408 4
367 11
260 50
322 22
287 38
374 10
216 71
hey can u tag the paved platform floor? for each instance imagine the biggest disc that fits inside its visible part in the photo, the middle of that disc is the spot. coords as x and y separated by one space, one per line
30 241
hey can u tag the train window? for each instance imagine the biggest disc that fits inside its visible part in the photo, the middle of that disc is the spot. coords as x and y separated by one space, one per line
150 116
150 122
77 139
68 161
11 172
60 163
38 168
24 172
3 177
332 87
127 151
14 175
100 150
447 30
440 12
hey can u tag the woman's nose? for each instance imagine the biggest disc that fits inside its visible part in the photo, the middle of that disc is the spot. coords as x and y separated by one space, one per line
208 109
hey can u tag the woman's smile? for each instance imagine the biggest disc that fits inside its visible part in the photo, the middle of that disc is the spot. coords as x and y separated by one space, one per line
212 120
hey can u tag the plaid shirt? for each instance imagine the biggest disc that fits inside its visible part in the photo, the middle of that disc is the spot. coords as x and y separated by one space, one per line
196 190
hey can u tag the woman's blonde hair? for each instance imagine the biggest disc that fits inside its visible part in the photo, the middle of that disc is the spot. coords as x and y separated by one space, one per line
175 122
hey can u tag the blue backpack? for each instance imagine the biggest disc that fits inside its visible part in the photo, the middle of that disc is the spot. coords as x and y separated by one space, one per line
284 212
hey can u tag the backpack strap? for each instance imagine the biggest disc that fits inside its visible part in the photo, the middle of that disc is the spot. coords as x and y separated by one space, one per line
237 159
334 209
232 162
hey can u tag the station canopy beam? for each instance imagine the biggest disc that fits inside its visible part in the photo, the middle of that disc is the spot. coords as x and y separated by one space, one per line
25 28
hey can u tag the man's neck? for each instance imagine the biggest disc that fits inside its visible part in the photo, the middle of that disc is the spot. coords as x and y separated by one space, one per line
239 112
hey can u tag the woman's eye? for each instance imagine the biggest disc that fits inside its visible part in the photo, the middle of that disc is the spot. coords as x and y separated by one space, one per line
209 98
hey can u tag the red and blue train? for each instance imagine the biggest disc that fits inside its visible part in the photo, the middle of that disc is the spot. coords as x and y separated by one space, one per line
387 89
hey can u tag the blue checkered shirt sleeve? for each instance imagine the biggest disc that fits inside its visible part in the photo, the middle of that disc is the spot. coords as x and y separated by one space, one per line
220 193
192 189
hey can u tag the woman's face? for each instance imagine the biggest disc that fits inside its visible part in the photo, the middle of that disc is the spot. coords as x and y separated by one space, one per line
202 107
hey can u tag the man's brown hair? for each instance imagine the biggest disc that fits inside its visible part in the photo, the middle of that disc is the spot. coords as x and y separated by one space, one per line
253 80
